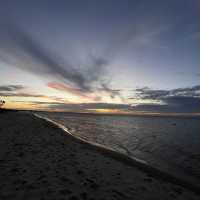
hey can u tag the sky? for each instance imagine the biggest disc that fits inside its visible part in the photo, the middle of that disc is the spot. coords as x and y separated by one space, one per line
116 56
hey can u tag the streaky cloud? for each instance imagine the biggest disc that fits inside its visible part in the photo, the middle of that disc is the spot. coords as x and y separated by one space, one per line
112 92
175 100
21 94
19 48
87 106
11 87
72 90
147 93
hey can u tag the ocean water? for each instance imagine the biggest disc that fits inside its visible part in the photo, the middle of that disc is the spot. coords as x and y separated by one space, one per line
171 144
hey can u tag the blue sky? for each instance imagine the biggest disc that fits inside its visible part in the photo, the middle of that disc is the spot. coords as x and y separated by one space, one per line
100 53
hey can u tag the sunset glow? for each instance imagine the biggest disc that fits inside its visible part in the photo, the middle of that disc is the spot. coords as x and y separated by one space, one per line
136 62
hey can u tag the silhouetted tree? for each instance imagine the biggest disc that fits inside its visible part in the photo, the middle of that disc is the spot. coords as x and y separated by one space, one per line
2 103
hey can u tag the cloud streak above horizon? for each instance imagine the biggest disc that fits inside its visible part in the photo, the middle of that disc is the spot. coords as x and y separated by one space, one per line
175 100
21 50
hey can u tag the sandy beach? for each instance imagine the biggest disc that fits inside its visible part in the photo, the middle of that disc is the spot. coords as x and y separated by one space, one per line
38 160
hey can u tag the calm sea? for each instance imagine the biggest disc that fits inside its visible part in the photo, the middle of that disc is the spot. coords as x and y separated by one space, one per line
168 143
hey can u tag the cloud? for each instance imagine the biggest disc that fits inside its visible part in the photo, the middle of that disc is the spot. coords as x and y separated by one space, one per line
111 92
197 74
147 93
11 87
195 35
23 50
66 88
74 91
15 91
20 49
21 94
77 107
28 95
87 106
175 100
172 105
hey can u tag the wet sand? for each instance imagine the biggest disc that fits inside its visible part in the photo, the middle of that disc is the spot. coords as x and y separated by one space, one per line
40 161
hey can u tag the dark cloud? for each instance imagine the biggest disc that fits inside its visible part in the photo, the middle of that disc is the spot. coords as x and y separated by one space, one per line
74 91
16 91
151 108
176 100
189 91
147 93
172 105
78 92
20 94
112 92
20 49
86 106
32 95
10 88
195 35
43 103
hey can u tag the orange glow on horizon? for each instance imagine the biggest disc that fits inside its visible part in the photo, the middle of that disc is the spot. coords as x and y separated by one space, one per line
107 110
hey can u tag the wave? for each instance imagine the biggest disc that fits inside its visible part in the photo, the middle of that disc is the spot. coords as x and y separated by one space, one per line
130 160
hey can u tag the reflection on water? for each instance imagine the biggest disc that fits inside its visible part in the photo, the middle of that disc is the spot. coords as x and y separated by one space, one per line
172 143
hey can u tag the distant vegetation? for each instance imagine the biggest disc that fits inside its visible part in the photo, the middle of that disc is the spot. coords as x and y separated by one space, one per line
2 103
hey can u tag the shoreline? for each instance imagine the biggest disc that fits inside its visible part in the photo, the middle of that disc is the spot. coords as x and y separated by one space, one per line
132 161
38 160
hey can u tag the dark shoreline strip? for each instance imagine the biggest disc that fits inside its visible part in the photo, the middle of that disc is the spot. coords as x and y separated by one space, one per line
141 165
